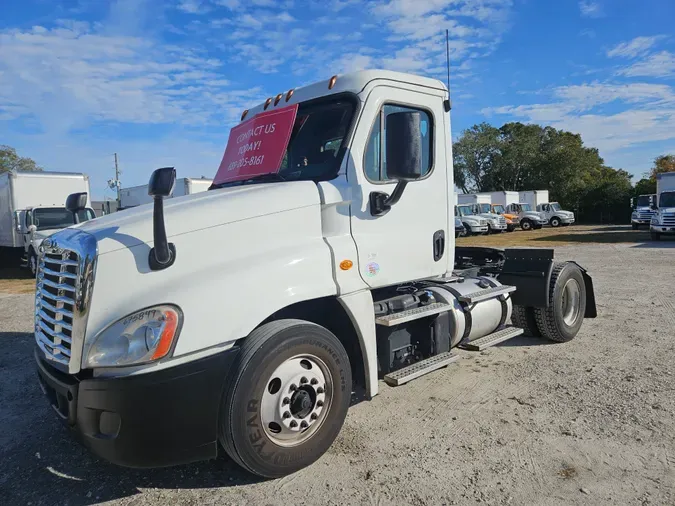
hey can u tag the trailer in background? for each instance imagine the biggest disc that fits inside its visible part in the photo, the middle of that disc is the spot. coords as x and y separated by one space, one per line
138 195
102 207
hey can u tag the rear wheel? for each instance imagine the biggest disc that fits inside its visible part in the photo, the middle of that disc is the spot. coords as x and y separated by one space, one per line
288 398
523 317
562 320
526 225
555 221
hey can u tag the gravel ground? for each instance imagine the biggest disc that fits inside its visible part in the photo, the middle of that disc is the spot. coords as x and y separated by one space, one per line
526 422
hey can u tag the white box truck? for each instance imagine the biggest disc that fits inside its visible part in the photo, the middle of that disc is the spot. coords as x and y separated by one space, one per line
248 315
663 220
552 211
528 217
32 207
138 195
643 209
482 206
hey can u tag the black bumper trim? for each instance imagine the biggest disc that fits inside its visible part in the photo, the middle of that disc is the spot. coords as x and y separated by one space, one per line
155 419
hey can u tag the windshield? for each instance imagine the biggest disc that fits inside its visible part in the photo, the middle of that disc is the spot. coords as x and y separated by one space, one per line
485 208
643 201
315 149
525 207
498 209
555 206
667 199
57 217
465 211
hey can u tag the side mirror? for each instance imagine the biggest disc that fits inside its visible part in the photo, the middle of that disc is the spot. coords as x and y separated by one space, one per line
404 157
161 184
75 203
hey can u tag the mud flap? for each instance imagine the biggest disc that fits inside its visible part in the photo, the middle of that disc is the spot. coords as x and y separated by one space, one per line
529 270
591 310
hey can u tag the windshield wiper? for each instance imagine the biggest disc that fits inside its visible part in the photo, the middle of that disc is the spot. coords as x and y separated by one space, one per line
270 177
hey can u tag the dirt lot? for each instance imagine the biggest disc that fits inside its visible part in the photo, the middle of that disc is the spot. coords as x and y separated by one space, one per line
527 422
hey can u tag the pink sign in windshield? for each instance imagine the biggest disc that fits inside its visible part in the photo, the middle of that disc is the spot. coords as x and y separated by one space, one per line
257 146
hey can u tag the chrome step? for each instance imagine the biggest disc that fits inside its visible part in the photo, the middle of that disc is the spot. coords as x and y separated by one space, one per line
500 336
412 314
488 293
420 368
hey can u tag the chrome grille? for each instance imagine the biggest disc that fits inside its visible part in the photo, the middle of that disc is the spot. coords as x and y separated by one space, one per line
57 280
502 221
65 281
645 215
668 219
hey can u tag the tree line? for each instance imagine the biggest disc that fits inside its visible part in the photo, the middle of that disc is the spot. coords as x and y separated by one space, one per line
533 157
10 160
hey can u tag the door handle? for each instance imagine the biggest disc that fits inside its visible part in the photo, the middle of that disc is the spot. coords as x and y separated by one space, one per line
439 245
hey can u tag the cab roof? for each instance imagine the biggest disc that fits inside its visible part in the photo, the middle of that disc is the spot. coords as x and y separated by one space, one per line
353 82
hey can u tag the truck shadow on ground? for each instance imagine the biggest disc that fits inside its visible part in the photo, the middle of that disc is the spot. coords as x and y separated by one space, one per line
609 237
43 464
524 341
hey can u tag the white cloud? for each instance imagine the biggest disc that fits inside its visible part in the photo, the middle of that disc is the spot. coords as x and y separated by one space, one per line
655 65
634 48
591 9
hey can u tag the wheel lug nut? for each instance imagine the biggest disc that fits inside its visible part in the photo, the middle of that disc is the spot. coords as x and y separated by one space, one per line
293 387
314 381
303 425
319 390
293 424
314 416
287 414
319 403
286 401
303 380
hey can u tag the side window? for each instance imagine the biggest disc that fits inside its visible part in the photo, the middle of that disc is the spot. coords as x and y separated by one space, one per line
375 163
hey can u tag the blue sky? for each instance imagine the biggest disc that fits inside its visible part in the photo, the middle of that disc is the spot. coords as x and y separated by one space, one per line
161 83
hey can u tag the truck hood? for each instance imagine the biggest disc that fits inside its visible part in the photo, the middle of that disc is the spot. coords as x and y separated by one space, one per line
472 219
666 210
182 215
534 215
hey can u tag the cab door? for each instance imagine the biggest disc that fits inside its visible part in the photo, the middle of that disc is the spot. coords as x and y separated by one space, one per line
411 240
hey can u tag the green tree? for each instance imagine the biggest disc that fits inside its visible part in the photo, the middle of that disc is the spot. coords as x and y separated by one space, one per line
475 155
645 186
663 163
10 160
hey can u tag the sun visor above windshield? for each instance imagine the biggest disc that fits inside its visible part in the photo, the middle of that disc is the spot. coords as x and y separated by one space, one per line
257 146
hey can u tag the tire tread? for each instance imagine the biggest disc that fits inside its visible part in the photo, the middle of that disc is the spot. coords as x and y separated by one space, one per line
545 317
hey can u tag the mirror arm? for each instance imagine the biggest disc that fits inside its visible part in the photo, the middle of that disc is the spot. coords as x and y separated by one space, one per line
163 254
380 203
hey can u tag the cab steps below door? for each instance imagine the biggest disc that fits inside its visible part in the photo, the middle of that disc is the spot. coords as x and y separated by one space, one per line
501 335
420 368
488 293
412 314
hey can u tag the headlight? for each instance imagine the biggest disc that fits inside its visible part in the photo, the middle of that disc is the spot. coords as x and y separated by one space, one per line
655 220
141 337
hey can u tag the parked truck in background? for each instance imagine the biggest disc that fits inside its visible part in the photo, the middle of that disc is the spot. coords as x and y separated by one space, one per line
324 273
552 211
529 218
482 206
663 220
138 195
512 220
643 210
473 223
32 207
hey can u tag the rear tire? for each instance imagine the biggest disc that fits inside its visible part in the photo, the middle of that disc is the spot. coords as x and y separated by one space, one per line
555 222
523 317
290 363
526 225
655 236
561 321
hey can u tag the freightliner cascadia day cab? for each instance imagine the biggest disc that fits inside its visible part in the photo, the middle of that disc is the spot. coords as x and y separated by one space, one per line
32 208
552 211
322 260
643 210
663 220
482 207
138 195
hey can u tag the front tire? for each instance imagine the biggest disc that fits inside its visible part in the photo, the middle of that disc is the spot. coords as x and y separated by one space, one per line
526 225
32 262
555 222
288 398
562 320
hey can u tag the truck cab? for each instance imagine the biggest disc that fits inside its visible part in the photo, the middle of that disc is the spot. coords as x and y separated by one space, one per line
529 219
555 215
643 209
663 219
319 268
512 220
473 223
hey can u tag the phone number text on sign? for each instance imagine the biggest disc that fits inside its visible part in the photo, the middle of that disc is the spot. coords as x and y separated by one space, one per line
251 161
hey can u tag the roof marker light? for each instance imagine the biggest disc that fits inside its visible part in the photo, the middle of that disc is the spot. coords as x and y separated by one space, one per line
289 95
277 99
331 83
243 114
267 103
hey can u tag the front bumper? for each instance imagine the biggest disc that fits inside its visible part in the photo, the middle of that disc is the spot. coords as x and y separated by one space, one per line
640 222
154 419
663 229
498 226
479 229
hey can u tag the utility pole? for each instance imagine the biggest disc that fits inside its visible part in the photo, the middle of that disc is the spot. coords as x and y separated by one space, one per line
115 184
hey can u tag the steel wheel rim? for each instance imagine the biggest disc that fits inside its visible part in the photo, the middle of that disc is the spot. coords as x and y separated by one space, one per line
526 225
571 301
296 400
33 264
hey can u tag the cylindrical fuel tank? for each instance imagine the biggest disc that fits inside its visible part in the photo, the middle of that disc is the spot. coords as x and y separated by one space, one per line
472 321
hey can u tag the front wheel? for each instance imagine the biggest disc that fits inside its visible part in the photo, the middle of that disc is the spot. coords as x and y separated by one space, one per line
526 225
288 398
32 262
562 320
555 222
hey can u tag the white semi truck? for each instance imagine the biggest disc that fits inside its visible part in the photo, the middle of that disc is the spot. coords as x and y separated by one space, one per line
663 220
528 217
138 195
643 210
552 211
32 207
481 204
321 279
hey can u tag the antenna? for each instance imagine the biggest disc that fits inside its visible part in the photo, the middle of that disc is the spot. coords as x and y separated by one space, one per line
447 103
